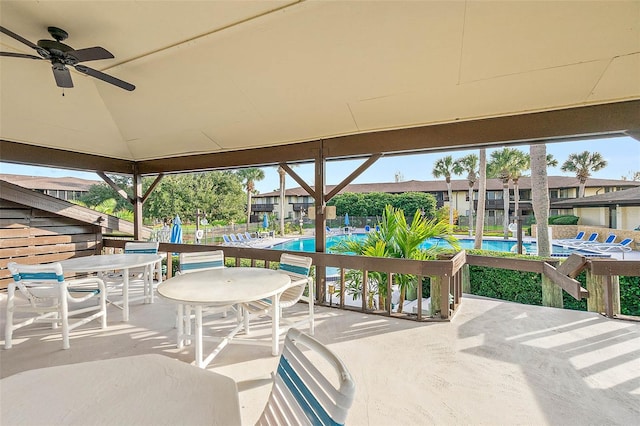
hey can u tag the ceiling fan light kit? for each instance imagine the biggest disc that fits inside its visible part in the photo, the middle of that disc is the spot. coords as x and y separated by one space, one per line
61 56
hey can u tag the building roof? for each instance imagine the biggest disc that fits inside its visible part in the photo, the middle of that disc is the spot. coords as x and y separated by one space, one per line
457 185
627 197
51 183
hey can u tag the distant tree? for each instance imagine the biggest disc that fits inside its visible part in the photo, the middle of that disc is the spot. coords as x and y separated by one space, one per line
410 202
249 176
634 176
398 176
482 195
443 167
469 165
505 164
582 164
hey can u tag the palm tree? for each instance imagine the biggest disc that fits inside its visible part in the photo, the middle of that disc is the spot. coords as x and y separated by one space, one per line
399 239
443 168
521 163
468 164
482 196
582 164
249 177
540 194
501 167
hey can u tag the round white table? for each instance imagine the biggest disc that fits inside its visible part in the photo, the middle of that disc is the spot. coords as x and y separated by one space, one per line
112 262
138 390
226 287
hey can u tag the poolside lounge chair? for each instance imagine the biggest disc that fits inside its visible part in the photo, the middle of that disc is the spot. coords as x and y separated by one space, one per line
249 238
610 239
330 231
367 228
623 246
243 240
579 236
593 238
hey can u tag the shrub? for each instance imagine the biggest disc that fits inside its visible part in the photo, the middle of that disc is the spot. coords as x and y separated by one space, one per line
563 220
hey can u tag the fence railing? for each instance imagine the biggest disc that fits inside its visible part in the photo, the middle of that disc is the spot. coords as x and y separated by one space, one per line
449 277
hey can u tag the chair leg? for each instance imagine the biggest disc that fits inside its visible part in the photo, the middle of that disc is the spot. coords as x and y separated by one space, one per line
64 313
8 330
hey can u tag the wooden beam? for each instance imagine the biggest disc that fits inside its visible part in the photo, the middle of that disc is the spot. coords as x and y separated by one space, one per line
155 182
569 285
357 172
115 187
14 152
298 179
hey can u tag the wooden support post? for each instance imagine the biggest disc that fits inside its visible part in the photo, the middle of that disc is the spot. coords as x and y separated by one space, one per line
551 293
343 288
169 265
436 284
466 279
604 294
445 286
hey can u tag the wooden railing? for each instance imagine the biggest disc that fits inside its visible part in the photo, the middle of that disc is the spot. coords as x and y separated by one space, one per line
449 277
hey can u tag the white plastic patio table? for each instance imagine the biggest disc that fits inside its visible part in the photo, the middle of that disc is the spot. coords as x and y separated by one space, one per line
146 389
226 287
110 262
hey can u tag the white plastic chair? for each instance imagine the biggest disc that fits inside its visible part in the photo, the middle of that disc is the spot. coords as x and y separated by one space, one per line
301 394
298 268
49 296
196 262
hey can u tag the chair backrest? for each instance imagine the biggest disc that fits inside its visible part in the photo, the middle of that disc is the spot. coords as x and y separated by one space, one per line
367 228
150 247
248 236
593 237
39 281
201 261
226 238
298 268
241 238
610 239
580 235
626 241
301 393
234 239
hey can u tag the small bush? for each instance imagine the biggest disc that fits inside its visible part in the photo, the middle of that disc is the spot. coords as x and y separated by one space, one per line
563 220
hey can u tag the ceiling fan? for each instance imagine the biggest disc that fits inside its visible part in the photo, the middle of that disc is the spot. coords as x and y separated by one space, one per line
60 55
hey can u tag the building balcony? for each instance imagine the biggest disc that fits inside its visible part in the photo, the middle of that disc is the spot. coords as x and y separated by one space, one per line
262 207
301 206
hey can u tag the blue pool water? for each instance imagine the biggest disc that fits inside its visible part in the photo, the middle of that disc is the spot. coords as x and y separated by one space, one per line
309 245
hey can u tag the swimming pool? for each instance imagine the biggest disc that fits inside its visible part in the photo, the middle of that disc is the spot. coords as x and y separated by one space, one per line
309 245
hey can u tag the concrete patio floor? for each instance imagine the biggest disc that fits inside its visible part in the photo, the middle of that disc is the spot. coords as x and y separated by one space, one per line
494 363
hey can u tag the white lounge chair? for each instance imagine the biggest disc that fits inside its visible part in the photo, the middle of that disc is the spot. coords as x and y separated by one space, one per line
621 247
593 238
579 236
49 296
301 394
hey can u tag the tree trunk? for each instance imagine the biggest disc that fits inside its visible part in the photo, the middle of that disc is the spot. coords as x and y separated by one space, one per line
282 184
470 208
505 202
581 189
450 193
482 195
516 196
540 196
249 190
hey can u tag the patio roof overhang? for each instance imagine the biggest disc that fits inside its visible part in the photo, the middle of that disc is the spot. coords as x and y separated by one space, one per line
226 84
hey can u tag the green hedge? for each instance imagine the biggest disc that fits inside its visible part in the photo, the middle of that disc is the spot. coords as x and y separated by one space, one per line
525 287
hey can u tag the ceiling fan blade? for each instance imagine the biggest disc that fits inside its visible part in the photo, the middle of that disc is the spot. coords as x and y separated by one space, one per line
90 54
105 77
62 76
20 55
19 38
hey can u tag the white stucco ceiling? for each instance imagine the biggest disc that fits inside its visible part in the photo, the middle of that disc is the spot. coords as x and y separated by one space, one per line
215 76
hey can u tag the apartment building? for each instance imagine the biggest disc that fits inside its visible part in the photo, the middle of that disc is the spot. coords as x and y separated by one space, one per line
560 188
